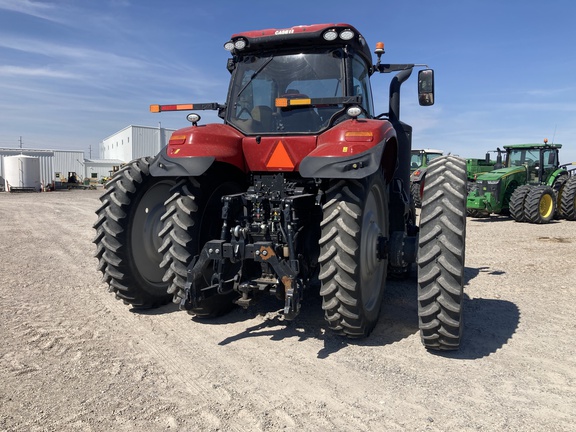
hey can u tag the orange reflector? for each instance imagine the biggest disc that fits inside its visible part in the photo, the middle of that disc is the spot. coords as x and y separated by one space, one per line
154 108
359 136
177 139
280 158
281 102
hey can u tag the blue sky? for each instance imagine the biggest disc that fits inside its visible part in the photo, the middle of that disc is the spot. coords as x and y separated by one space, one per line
73 72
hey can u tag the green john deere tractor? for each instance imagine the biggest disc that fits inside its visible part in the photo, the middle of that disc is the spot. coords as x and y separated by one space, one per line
419 161
531 186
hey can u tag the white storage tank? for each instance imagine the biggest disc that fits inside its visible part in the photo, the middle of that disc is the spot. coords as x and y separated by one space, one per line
22 172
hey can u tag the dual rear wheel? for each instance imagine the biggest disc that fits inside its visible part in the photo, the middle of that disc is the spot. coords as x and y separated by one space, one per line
540 204
148 230
127 235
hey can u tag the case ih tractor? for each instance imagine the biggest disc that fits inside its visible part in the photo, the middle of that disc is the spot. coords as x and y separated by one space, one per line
532 186
301 190
419 161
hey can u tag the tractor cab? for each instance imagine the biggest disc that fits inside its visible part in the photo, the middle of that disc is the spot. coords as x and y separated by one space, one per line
420 158
540 161
279 88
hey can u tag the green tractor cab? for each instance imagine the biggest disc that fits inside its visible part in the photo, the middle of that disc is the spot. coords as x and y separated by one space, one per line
529 186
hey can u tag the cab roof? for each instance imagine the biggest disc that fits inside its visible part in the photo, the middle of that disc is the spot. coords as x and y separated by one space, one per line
529 146
301 36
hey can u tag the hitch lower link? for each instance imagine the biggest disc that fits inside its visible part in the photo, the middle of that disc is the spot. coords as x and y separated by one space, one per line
217 252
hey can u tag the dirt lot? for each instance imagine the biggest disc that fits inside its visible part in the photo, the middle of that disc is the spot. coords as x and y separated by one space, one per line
72 358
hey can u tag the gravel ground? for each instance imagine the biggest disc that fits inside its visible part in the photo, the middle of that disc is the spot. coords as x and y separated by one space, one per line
72 358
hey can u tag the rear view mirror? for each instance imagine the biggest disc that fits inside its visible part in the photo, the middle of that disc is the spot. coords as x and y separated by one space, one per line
426 87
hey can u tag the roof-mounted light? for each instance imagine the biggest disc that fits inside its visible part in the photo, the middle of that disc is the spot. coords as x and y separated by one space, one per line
346 34
330 35
240 44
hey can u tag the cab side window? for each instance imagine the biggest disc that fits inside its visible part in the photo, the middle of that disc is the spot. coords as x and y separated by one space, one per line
361 80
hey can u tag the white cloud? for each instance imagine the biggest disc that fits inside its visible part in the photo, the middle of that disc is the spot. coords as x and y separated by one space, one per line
33 8
18 71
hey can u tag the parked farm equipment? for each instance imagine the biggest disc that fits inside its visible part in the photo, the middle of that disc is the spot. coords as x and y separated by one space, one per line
531 187
303 188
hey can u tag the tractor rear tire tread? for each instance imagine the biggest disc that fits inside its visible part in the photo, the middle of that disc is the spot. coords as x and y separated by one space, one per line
112 237
517 203
415 191
182 239
533 204
441 253
568 199
341 268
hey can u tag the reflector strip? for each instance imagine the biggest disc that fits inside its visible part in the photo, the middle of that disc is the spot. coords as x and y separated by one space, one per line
178 107
280 158
299 101
359 136
177 139
284 102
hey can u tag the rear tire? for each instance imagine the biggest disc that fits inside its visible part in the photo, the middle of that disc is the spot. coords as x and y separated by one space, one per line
127 240
415 191
568 200
441 253
353 278
517 200
540 205
558 187
193 217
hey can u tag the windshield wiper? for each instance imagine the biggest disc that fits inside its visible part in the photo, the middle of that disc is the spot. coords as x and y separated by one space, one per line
254 76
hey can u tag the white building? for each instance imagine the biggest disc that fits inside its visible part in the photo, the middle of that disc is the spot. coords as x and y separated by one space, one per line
134 142
130 143
98 169
54 164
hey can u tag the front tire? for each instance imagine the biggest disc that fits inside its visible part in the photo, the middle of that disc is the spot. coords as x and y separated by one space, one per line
352 274
441 252
127 240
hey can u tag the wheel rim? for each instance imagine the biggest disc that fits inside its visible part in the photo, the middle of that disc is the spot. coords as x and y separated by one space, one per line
372 269
145 229
546 205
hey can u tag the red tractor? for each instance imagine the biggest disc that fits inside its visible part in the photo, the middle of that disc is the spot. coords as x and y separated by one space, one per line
302 188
